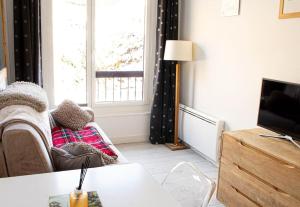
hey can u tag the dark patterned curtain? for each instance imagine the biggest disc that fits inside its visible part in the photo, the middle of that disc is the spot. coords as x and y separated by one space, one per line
163 107
27 41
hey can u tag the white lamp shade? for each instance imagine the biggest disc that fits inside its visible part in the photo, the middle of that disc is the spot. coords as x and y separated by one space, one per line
178 50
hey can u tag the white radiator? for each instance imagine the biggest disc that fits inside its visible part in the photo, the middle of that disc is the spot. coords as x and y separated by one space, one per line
201 132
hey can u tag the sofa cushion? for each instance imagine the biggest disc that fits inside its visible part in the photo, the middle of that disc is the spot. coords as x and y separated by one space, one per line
52 122
70 115
89 135
121 159
103 135
72 155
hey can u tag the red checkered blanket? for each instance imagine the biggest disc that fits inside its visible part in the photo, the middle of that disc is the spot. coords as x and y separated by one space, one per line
90 135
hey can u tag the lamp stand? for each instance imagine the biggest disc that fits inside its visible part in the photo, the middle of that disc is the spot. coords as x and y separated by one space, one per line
176 145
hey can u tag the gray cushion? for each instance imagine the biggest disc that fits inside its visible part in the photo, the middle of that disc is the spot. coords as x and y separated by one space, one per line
72 155
70 115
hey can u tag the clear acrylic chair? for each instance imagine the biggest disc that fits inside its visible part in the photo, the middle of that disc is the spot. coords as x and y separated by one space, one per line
189 186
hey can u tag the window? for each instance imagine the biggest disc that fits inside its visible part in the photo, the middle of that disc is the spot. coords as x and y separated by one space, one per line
117 45
69 46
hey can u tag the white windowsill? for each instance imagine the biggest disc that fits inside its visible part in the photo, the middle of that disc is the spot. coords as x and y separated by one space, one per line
120 104
123 114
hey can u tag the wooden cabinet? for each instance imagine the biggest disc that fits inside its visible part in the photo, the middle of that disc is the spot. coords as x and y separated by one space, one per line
257 171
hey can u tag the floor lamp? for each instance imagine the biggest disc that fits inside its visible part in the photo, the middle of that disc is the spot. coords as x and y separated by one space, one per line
178 50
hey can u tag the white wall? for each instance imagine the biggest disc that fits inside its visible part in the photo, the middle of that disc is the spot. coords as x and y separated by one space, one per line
233 54
125 128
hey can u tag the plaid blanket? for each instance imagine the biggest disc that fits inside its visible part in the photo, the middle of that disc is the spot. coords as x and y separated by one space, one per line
90 135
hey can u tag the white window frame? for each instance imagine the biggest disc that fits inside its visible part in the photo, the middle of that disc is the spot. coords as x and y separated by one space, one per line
149 58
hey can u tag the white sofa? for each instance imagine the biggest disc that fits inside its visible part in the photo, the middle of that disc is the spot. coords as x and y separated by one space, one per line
22 151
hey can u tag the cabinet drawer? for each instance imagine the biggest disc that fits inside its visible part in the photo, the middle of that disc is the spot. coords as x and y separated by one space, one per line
281 175
254 189
230 196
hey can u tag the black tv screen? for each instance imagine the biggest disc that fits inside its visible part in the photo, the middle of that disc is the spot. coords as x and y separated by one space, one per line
279 109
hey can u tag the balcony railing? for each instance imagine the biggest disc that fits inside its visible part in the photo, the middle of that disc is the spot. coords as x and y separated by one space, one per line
116 86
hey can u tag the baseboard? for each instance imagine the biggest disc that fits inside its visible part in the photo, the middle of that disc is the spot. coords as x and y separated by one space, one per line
130 139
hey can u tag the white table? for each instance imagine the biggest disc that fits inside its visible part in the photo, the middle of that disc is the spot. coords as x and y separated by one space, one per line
118 186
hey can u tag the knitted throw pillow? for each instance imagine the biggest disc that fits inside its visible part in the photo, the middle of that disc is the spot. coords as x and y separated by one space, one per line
72 155
70 115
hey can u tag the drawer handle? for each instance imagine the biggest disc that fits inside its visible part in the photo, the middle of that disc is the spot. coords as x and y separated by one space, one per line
242 143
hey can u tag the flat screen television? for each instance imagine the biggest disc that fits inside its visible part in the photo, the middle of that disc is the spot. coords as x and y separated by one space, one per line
279 109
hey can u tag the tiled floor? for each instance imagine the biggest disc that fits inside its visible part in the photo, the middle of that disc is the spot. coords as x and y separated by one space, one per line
158 161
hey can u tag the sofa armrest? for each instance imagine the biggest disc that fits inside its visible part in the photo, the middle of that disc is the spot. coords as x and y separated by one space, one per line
3 168
25 151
